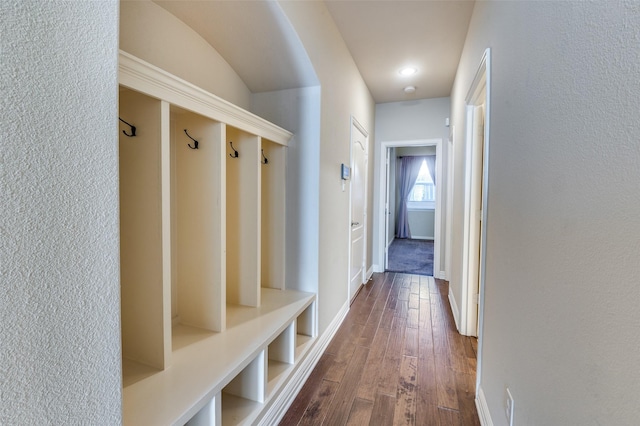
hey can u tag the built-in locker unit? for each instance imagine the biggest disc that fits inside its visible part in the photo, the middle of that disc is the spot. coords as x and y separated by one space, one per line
211 329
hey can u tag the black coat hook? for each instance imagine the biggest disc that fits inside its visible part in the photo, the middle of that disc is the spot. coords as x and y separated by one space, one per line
235 153
265 159
133 128
195 142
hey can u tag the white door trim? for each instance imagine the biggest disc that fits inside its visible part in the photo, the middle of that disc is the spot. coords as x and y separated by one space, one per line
449 206
355 123
479 94
380 250
387 207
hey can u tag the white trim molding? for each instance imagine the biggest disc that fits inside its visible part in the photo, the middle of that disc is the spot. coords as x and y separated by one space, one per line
454 308
422 237
483 409
146 78
476 183
370 272
482 78
364 278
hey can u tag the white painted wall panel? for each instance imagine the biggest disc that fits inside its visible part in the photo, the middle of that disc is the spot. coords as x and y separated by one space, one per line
343 94
561 319
421 224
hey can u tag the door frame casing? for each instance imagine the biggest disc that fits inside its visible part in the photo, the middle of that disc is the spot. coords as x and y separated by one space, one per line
383 178
473 223
479 93
354 123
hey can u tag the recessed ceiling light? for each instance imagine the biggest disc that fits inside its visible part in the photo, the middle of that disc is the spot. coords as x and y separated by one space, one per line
410 89
408 71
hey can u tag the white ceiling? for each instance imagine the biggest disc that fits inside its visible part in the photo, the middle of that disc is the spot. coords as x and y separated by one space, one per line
382 36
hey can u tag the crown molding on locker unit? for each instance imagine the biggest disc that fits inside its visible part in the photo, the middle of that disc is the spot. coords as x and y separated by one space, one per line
146 78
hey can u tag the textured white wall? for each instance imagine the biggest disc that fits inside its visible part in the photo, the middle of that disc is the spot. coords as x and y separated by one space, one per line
343 94
563 230
59 303
411 120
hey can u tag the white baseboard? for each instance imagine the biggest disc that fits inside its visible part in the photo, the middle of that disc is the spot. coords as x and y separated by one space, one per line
281 402
421 237
483 409
377 268
441 275
454 309
369 273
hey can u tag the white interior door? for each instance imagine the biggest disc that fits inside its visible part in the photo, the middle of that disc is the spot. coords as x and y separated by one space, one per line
357 269
472 249
475 226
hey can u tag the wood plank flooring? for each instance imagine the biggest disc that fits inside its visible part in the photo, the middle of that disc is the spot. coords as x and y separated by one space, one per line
397 359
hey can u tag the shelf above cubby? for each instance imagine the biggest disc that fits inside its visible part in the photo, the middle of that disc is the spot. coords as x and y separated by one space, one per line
201 369
155 82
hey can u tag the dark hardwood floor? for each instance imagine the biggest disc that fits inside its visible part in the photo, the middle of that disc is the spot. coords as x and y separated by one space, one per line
397 359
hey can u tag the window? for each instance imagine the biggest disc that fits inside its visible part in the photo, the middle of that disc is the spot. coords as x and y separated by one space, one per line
423 194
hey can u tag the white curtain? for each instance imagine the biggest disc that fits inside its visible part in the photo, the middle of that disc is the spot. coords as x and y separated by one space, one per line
431 165
408 169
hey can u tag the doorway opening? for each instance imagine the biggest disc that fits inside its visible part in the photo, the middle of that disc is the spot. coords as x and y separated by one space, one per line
411 206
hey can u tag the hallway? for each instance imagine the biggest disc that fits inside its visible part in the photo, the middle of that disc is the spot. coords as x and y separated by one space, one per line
397 359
